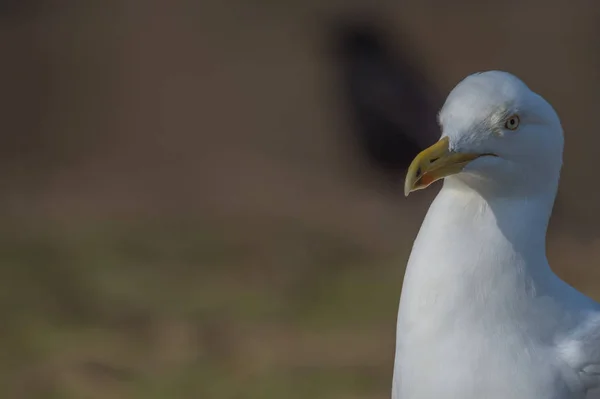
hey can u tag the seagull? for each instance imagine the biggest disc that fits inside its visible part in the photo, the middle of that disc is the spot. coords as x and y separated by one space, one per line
482 315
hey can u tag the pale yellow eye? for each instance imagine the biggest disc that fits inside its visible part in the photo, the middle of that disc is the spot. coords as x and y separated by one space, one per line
512 123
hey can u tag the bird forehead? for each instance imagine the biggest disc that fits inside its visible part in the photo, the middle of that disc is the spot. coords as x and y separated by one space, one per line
473 111
479 98
473 108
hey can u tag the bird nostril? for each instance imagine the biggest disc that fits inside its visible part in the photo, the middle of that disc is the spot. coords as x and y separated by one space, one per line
418 172
433 160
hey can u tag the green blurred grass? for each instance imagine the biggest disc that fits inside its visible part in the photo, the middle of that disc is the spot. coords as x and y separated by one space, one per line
193 310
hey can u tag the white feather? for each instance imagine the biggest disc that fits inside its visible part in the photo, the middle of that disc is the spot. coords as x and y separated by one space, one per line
482 315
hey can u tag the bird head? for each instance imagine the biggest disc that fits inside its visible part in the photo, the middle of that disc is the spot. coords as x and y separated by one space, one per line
497 134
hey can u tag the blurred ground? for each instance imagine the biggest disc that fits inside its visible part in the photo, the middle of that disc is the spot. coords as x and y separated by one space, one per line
183 215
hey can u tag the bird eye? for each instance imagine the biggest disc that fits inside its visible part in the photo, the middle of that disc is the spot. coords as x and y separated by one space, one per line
512 123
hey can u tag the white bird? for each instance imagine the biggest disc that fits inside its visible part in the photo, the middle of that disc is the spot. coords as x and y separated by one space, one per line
481 314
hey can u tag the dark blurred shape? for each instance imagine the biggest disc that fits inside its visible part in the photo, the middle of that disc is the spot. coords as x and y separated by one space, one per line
17 9
388 98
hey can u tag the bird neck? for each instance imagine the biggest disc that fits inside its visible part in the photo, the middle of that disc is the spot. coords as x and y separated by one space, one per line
478 250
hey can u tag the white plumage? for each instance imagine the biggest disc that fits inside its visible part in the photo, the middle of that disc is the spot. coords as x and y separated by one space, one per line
481 314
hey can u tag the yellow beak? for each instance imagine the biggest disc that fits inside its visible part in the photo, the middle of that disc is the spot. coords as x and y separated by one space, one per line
435 163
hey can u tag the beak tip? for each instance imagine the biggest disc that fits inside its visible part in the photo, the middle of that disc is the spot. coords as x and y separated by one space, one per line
407 188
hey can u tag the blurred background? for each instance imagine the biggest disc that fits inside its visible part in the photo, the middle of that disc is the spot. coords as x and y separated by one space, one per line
203 199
